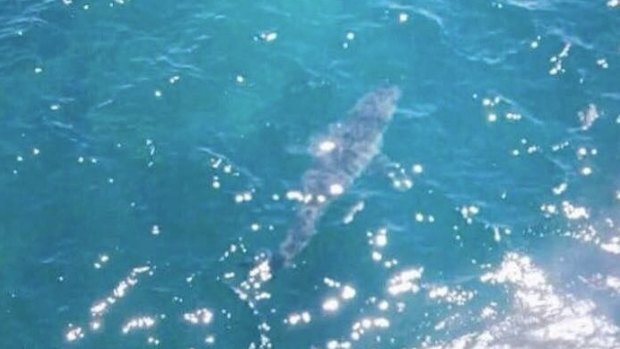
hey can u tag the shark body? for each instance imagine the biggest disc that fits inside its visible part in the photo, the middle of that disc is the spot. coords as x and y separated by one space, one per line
339 157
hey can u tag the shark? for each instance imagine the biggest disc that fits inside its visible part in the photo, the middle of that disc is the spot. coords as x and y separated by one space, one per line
339 156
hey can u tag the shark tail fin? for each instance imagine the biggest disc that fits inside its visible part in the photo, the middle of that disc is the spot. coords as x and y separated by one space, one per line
276 261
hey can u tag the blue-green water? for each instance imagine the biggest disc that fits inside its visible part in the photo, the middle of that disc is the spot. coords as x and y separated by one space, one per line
147 149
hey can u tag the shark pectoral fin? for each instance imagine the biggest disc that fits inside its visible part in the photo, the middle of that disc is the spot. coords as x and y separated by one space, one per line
276 261
394 171
382 164
378 165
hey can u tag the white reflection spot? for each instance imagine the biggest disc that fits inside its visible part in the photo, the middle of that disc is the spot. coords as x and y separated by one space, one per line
359 328
200 316
488 312
455 296
327 146
330 282
513 116
74 334
348 292
268 36
602 62
138 323
405 281
574 212
333 344
582 152
331 305
560 188
381 240
417 168
419 217
294 195
612 246
336 189
588 116
243 197
468 212
381 322
298 318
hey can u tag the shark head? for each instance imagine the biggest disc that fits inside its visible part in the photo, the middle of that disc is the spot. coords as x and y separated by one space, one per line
379 104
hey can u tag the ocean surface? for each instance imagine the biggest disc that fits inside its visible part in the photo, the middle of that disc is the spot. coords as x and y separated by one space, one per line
150 149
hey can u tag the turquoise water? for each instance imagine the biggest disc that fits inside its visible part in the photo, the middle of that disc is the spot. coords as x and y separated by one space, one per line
147 149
